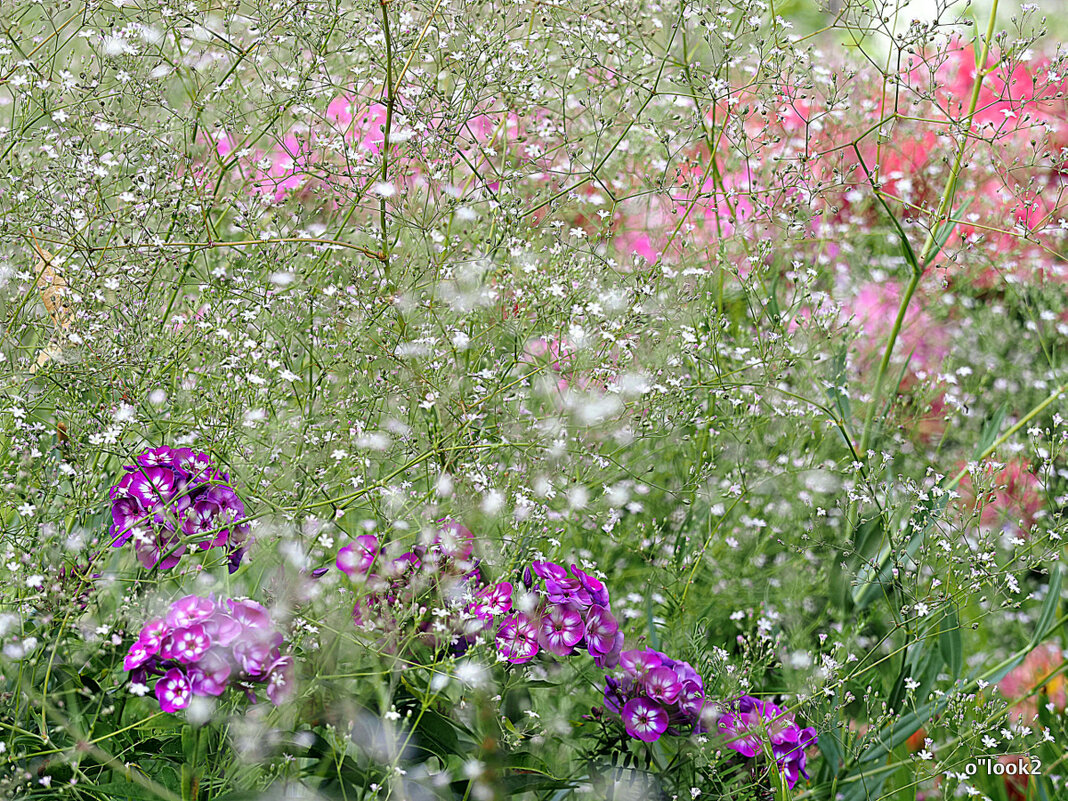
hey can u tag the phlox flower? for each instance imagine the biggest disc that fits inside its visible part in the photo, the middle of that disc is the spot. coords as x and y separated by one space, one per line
750 723
171 498
201 647
654 694
644 719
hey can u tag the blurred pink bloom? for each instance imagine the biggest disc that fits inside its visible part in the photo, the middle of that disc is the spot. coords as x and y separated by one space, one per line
1013 503
921 339
1025 678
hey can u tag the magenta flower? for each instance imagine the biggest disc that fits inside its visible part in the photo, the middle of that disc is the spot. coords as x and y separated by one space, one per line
454 541
438 573
222 627
356 559
209 675
517 638
593 586
644 719
493 601
249 614
140 652
661 694
639 663
601 630
280 680
189 610
189 644
750 722
171 498
549 570
200 649
662 684
560 629
573 613
173 691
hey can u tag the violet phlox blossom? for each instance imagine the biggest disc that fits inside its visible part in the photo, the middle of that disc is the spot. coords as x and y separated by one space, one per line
171 497
572 614
200 647
438 574
750 723
655 694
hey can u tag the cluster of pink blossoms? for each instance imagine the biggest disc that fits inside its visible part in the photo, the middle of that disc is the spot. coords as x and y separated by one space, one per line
415 597
170 497
655 695
572 614
200 647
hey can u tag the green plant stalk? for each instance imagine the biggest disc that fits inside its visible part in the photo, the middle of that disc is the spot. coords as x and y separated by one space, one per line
928 251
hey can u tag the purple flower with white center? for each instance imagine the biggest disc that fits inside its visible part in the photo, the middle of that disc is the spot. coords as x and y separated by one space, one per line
593 586
201 649
644 719
454 541
249 613
611 658
663 686
153 632
567 591
560 630
189 610
691 699
601 630
355 560
549 570
749 723
173 691
126 514
563 595
404 566
256 649
222 628
280 680
155 457
189 644
140 653
198 522
170 498
517 638
638 663
152 486
493 601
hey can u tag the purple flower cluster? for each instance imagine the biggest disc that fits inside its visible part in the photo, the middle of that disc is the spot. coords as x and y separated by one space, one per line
749 723
200 647
573 614
422 582
656 694
171 497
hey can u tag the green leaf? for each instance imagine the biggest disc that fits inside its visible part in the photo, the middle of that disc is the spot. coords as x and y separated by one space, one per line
990 432
1049 607
438 734
124 791
949 642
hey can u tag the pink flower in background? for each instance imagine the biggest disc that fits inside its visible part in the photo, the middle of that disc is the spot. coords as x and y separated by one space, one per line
921 339
1028 676
1013 503
276 172
359 121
